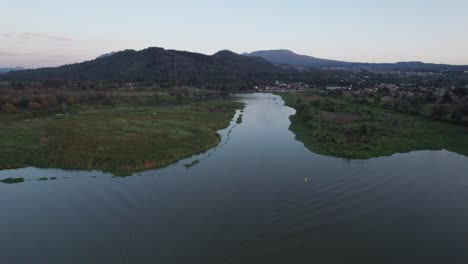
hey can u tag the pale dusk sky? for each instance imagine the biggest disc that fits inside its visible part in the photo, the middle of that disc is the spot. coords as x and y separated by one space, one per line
51 32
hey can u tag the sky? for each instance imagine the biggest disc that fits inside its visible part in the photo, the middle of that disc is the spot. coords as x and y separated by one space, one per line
55 32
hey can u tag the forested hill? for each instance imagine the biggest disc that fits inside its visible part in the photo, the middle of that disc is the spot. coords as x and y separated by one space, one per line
287 57
160 65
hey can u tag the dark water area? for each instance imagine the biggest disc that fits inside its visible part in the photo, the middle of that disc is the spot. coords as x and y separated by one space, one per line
259 197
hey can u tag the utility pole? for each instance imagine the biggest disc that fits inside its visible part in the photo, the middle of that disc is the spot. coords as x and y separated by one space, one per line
175 70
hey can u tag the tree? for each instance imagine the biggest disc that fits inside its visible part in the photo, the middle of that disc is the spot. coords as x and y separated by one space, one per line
447 98
70 100
9 109
181 93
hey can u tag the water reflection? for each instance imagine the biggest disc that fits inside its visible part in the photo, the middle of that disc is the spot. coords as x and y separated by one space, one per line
259 197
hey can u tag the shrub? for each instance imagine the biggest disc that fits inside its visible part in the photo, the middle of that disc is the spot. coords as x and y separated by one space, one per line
303 108
33 106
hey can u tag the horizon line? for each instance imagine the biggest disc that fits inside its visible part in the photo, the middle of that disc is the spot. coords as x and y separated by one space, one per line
239 53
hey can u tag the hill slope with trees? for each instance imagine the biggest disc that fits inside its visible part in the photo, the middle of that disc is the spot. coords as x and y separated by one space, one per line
159 65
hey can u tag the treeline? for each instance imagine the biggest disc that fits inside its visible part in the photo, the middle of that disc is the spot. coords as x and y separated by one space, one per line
449 105
57 96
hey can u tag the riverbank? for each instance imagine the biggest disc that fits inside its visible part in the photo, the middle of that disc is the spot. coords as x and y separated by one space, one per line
339 128
121 139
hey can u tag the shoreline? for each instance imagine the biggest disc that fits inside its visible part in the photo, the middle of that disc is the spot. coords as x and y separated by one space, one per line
359 132
120 140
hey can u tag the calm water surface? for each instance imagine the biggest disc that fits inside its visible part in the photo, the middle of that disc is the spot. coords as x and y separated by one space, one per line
260 197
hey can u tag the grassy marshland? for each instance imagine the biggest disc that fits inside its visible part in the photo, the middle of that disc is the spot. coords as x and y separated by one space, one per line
120 139
339 128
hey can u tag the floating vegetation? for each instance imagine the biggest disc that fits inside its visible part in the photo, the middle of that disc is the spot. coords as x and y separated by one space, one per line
12 180
43 179
239 119
193 163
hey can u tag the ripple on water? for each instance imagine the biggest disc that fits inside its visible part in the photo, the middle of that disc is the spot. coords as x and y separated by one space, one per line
246 203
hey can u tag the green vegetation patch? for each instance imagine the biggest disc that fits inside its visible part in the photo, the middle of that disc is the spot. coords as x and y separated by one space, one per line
120 139
191 164
12 180
239 119
340 128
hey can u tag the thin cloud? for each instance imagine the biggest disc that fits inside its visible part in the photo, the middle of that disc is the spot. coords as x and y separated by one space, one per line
19 54
15 54
32 35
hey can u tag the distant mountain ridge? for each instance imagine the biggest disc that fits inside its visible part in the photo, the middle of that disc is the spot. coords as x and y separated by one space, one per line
157 64
5 70
183 67
287 57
